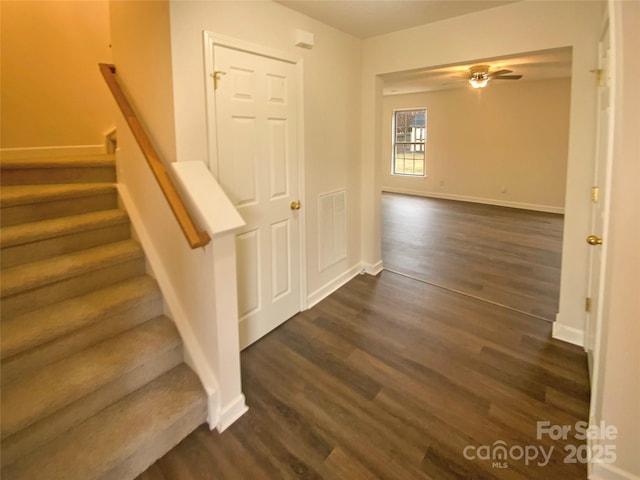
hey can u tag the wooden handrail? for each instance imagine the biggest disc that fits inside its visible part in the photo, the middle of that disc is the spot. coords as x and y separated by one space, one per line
196 238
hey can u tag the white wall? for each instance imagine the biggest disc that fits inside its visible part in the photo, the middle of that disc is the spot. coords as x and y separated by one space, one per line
52 93
509 136
525 26
331 87
616 393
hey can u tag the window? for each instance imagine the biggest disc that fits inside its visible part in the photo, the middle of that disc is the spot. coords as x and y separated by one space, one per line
409 137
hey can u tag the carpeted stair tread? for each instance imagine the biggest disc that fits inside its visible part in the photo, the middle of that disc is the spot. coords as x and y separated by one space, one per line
44 272
156 415
36 396
37 327
45 229
88 161
93 384
14 195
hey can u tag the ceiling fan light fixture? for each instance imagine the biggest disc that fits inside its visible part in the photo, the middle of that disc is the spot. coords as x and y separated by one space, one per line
479 80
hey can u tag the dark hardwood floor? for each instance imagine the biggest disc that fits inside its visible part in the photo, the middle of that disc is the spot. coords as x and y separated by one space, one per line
498 254
392 378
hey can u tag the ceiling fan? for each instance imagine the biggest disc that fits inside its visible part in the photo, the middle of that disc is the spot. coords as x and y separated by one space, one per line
479 76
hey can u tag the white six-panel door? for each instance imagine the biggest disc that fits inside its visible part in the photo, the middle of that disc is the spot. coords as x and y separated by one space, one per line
257 166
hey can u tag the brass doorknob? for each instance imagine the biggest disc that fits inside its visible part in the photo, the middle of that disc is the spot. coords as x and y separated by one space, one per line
594 240
295 205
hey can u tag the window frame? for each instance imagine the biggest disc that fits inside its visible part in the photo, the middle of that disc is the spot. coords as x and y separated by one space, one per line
394 142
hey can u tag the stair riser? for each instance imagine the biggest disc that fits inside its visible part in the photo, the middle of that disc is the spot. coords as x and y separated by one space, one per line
46 429
78 285
157 447
40 250
29 361
34 212
42 176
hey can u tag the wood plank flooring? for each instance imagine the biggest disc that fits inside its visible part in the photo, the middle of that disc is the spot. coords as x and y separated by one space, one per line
391 378
503 255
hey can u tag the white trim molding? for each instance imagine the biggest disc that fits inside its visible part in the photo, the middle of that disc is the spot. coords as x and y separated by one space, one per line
485 201
230 413
212 38
372 268
342 279
568 334
51 151
330 287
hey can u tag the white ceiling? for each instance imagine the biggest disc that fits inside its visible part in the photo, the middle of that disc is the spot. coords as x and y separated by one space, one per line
368 18
546 64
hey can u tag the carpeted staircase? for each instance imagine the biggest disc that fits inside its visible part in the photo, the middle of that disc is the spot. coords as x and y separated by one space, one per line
93 379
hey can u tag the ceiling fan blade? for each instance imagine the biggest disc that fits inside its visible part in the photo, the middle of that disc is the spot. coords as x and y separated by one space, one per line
507 77
499 72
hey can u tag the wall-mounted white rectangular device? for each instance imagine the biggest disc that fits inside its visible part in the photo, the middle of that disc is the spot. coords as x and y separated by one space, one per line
304 39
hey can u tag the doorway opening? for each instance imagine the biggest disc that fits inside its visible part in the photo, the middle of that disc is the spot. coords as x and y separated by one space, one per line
486 219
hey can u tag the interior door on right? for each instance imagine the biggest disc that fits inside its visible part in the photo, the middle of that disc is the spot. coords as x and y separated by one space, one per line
599 195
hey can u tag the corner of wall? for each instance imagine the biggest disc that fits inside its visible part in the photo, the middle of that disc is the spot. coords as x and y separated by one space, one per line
333 285
233 411
562 331
373 268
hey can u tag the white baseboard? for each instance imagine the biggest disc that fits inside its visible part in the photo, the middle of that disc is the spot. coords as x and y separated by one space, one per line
52 151
231 412
485 201
373 268
327 289
568 334
608 471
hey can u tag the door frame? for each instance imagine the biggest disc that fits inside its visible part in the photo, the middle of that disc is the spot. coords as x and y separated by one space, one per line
602 169
211 40
595 320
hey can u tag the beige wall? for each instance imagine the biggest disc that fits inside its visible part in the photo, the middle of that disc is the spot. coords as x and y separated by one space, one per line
525 26
142 55
52 93
510 135
331 96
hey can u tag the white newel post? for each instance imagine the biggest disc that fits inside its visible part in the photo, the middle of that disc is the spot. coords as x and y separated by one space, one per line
218 216
232 402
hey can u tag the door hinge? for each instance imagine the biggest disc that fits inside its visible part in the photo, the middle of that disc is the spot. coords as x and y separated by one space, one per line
216 77
598 72
587 304
595 193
